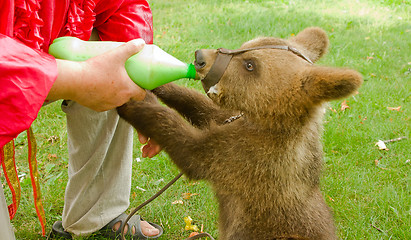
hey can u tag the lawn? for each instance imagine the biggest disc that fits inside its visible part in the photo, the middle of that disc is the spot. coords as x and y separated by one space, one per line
368 189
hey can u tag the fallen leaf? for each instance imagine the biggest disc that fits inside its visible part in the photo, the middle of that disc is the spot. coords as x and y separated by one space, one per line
381 145
51 157
193 234
344 105
188 220
394 108
178 202
53 139
187 196
333 110
376 162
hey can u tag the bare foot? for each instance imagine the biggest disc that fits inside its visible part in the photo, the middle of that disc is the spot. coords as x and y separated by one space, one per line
146 228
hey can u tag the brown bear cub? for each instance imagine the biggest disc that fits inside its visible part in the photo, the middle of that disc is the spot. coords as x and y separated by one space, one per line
257 137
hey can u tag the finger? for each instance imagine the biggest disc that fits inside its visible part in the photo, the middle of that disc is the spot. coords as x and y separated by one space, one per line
150 150
143 139
138 94
130 48
145 150
153 148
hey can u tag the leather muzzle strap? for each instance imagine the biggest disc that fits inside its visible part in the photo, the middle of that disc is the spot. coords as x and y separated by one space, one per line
224 57
216 71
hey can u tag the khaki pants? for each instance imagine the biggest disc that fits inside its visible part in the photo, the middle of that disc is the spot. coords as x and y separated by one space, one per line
100 159
6 230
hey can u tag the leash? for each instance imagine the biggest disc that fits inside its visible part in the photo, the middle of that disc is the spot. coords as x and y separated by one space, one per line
200 235
148 201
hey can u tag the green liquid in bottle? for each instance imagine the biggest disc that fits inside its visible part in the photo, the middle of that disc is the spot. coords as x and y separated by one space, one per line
149 68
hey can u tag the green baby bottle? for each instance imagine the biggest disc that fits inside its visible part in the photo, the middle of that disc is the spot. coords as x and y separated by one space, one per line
149 68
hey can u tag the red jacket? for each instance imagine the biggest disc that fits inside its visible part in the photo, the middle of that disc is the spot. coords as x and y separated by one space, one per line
28 27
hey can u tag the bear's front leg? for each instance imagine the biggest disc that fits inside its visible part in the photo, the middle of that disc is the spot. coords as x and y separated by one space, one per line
194 106
176 136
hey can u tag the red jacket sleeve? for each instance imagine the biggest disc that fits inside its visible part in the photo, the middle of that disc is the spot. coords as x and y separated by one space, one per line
26 76
124 20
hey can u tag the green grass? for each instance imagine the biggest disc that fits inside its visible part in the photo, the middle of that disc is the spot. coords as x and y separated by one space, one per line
369 200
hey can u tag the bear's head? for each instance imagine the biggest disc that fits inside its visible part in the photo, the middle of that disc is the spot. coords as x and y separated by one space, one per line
269 77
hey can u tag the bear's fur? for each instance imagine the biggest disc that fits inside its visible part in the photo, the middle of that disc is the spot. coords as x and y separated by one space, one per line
264 167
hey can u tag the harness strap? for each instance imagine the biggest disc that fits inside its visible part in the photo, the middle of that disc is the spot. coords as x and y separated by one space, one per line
279 47
216 71
224 57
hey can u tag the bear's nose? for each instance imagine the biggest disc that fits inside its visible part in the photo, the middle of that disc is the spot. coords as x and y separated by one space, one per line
199 60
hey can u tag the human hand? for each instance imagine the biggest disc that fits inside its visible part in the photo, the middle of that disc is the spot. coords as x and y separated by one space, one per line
100 83
150 147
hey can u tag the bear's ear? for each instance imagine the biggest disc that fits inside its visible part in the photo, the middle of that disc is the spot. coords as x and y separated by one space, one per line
312 41
328 83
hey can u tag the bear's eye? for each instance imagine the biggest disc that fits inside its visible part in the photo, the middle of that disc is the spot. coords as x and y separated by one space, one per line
249 65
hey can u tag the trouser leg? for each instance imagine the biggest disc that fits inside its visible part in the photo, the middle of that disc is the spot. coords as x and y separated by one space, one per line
6 229
100 159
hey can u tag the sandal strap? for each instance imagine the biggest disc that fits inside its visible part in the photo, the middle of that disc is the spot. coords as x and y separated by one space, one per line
133 222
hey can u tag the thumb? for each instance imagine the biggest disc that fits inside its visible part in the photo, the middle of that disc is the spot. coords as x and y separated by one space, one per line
130 48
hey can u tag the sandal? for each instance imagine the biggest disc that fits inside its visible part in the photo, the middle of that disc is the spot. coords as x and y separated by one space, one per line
57 231
107 231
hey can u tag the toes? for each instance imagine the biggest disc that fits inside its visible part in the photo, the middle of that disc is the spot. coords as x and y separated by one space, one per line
148 230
